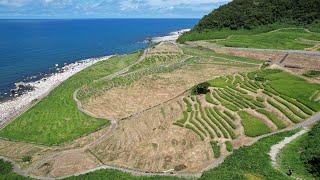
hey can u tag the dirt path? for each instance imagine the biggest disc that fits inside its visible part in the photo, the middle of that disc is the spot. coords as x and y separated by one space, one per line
276 149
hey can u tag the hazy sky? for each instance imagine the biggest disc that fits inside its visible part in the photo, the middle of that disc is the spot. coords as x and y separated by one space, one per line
107 8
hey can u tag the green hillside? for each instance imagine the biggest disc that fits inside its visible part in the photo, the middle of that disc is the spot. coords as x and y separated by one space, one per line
247 17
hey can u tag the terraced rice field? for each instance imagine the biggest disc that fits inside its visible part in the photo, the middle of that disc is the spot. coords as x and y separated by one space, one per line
255 101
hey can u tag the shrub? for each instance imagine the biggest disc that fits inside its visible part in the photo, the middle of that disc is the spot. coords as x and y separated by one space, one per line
202 88
229 146
26 158
311 151
5 167
312 73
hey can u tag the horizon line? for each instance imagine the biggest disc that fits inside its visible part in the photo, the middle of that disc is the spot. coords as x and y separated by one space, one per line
96 18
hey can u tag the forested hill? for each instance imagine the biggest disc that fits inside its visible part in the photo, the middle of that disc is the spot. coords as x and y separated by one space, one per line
248 14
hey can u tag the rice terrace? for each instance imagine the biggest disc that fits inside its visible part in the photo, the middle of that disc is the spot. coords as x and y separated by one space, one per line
223 101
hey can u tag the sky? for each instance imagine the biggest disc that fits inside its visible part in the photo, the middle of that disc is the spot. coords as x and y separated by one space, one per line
107 8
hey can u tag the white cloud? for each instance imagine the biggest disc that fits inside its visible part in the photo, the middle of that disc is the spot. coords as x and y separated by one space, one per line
14 3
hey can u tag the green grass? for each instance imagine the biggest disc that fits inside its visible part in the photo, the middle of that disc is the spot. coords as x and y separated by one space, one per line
302 107
253 126
216 149
220 82
209 99
213 117
289 158
224 33
117 175
56 118
292 108
189 105
229 146
282 39
279 123
256 38
250 160
6 172
289 115
291 86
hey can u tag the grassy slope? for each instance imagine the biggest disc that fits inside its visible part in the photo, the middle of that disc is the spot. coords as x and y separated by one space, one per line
290 159
56 119
292 86
253 126
282 39
252 161
224 33
261 37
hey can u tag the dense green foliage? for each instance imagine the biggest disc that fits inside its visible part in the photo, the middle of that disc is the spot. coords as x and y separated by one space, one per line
56 118
253 126
290 159
291 86
7 173
115 174
311 151
202 88
216 149
229 146
250 160
248 14
312 73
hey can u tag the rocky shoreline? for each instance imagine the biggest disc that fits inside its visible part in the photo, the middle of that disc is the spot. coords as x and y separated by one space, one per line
39 89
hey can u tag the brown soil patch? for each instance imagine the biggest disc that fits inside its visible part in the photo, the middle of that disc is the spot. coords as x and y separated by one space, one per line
263 55
150 142
151 90
17 150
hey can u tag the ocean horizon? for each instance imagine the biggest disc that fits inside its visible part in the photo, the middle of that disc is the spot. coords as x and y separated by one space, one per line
30 48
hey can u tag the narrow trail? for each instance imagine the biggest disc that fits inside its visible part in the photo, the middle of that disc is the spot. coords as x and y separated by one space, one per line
276 149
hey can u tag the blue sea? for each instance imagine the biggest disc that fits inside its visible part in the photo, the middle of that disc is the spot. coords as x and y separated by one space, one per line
29 48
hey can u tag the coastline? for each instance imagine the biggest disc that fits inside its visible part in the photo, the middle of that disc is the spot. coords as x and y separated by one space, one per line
173 36
12 108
